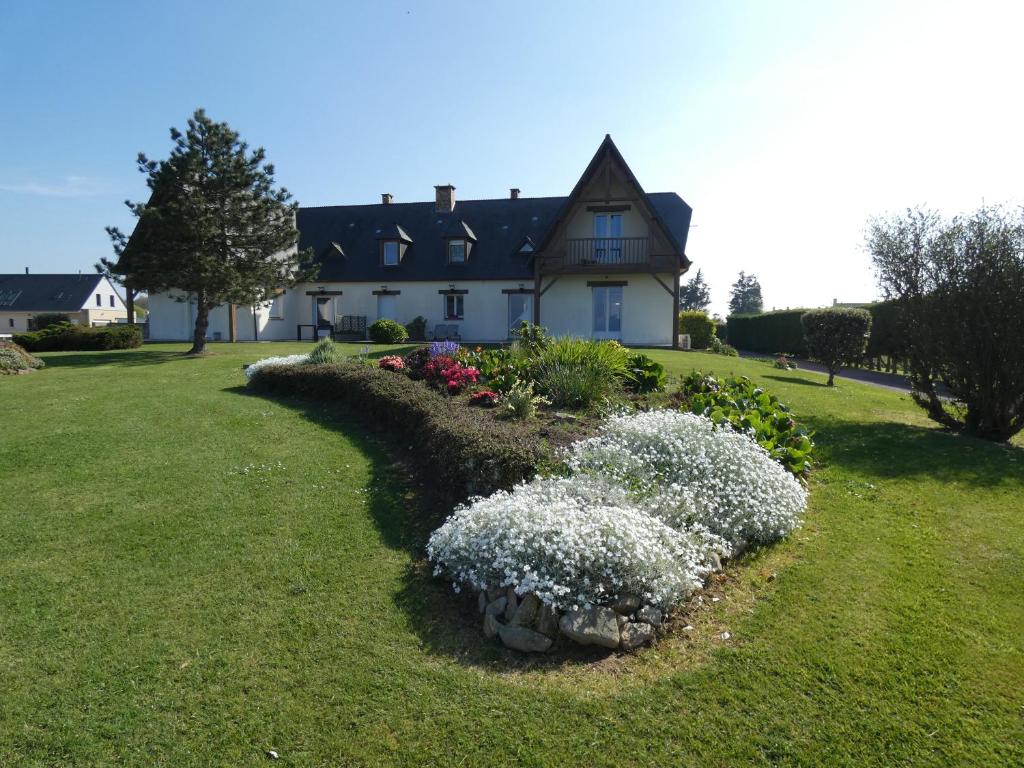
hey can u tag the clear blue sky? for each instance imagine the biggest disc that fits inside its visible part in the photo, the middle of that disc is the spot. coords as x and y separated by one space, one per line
785 125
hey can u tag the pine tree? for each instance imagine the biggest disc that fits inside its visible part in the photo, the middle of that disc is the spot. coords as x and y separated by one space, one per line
695 295
746 295
215 227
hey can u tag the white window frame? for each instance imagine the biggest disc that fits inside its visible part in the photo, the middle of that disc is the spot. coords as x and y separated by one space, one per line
458 306
606 292
465 249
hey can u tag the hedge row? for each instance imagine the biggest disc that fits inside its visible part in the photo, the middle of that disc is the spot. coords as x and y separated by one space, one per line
769 333
700 327
774 332
68 337
462 451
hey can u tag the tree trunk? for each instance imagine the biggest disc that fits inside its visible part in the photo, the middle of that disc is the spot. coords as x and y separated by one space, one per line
202 323
129 300
831 377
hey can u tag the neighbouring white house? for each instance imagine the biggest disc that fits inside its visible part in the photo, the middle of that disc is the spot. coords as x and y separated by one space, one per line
603 262
87 300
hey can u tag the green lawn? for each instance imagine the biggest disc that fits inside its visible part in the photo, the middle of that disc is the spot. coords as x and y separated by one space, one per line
193 576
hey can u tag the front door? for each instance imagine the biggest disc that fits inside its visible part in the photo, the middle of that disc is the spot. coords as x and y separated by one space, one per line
607 323
387 307
324 312
520 308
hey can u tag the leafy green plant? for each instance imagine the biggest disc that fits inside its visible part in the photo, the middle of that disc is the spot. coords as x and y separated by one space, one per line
645 374
69 337
46 319
14 359
325 351
530 337
747 408
720 348
577 372
836 336
417 328
520 402
386 331
700 327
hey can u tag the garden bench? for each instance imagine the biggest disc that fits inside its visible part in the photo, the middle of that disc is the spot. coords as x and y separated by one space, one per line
349 328
444 333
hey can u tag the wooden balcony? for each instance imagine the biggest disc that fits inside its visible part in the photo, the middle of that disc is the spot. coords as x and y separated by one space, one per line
605 254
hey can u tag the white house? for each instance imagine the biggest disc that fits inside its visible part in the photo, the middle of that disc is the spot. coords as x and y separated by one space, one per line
603 262
86 299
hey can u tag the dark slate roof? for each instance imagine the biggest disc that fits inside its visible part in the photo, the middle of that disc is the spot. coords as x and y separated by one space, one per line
46 293
500 227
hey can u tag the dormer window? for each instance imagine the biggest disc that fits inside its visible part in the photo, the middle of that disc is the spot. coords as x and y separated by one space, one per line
457 251
389 253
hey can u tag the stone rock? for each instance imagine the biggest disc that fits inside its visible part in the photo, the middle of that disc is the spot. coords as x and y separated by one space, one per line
523 639
511 604
626 604
491 625
591 626
635 634
547 620
526 613
497 607
481 601
715 562
649 615
623 620
493 593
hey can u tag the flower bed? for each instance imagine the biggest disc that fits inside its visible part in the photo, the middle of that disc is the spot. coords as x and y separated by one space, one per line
650 507
14 359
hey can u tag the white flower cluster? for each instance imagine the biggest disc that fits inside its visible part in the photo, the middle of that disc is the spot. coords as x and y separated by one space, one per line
572 541
693 475
267 362
649 500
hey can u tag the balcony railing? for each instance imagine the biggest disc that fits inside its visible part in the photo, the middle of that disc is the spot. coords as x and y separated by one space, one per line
599 251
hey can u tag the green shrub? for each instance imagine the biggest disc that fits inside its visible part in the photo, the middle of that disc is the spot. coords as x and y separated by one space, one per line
886 346
386 331
700 327
463 450
520 402
836 336
645 375
578 372
325 351
531 338
417 328
14 359
770 333
750 409
68 337
46 319
722 349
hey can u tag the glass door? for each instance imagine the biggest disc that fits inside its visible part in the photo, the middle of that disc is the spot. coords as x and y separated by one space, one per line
324 314
607 312
608 238
520 308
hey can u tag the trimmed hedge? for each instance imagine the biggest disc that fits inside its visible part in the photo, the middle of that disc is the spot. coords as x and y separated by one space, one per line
700 327
462 451
386 331
837 336
770 333
65 337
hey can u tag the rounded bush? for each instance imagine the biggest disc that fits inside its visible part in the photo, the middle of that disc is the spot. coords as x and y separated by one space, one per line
14 359
694 476
386 331
700 327
572 541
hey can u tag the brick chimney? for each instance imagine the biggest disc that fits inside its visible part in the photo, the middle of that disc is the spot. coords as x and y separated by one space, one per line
444 198
386 198
513 193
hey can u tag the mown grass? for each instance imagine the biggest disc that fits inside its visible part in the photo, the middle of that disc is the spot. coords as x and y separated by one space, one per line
162 605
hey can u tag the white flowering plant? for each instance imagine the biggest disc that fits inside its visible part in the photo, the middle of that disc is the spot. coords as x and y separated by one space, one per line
268 362
571 541
646 505
693 475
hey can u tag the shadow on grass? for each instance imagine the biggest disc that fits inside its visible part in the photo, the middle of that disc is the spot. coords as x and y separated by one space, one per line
892 450
406 509
794 380
129 357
